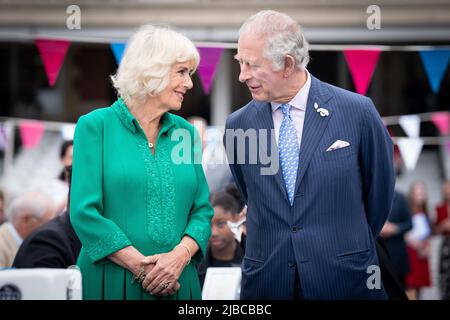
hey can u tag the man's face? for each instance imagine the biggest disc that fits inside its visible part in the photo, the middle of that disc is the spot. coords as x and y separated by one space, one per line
264 83
30 222
221 235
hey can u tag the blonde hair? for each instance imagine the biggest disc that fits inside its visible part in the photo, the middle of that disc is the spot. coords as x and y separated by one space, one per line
147 60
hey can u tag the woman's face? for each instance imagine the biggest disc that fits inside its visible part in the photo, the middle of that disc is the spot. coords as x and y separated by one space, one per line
446 191
180 81
418 194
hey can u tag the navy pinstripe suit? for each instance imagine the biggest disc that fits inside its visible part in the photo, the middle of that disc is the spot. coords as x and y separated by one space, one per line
342 199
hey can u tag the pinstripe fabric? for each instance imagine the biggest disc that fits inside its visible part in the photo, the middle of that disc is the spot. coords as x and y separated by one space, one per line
341 200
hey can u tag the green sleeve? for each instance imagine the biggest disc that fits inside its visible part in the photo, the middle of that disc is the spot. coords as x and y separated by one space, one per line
99 236
199 221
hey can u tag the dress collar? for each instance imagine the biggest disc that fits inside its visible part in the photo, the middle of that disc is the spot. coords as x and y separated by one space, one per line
300 99
130 122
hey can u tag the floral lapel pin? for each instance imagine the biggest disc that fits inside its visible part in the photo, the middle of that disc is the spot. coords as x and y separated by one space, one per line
322 111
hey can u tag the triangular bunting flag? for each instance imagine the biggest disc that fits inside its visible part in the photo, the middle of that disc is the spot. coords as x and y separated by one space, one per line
31 133
362 65
442 121
118 49
435 63
209 59
410 124
410 149
52 54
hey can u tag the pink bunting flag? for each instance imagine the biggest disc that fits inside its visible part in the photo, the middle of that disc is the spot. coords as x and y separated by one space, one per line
52 54
31 133
362 65
442 121
209 59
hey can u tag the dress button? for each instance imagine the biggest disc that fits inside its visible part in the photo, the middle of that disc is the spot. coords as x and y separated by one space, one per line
291 264
295 229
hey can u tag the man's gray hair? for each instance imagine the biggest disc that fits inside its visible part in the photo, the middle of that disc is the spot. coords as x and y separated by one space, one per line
33 203
284 36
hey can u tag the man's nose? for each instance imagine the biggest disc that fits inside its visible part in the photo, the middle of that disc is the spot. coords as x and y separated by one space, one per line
244 74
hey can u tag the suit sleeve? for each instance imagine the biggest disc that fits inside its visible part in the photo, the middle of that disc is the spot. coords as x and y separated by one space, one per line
199 220
42 250
230 144
99 236
405 223
376 156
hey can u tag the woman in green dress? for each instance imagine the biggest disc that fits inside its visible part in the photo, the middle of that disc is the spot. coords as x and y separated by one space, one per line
139 201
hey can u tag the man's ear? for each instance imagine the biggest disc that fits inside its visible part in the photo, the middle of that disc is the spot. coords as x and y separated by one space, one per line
289 65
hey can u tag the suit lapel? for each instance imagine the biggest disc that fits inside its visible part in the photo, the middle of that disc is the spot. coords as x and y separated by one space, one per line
265 121
313 128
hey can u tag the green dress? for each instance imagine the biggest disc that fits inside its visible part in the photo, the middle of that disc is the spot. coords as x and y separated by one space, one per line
123 195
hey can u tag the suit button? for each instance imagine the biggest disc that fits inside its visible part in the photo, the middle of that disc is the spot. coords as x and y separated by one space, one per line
291 264
295 229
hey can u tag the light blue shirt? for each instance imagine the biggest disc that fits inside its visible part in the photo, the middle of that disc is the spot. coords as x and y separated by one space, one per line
14 234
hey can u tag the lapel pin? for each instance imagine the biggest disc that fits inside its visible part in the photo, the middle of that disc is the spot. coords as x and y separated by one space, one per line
323 112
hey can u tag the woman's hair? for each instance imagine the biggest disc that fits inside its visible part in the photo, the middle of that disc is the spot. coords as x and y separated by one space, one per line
284 36
64 147
147 61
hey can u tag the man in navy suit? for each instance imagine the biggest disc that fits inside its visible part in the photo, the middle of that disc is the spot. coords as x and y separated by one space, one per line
314 163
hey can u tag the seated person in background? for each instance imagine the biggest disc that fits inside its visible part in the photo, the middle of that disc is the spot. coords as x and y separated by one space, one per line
223 249
2 207
53 245
26 212
66 156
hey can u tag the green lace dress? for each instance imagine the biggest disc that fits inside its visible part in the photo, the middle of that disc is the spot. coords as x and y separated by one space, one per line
122 195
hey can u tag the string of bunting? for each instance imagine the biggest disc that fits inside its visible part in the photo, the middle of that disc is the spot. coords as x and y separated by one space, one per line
361 61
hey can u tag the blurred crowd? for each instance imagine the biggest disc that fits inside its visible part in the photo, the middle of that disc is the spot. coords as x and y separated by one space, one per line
36 232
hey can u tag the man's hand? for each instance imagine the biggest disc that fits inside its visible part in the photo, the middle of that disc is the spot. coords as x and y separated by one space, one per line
389 229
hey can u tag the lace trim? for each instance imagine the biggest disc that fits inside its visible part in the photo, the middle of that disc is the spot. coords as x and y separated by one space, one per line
199 235
160 201
107 245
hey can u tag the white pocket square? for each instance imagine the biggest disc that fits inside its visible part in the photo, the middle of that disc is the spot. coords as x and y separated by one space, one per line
338 144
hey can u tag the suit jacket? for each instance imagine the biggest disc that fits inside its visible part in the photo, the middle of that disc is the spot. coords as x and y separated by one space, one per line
342 199
396 245
8 246
52 245
389 274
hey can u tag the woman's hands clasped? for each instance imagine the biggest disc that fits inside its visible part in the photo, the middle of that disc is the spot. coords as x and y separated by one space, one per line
164 269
